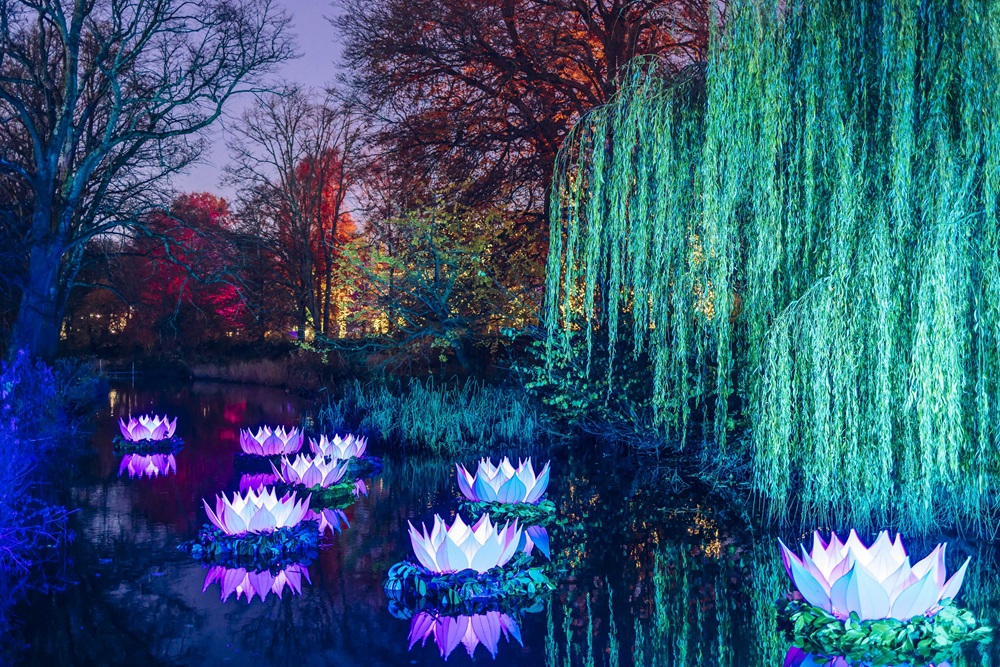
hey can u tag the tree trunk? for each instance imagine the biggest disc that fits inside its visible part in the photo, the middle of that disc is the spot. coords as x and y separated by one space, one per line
36 328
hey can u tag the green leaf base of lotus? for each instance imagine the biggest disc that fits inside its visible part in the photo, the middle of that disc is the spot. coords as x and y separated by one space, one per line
516 585
164 446
881 642
526 514
298 544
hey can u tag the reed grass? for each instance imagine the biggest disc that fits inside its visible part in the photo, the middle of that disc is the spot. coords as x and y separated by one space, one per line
810 226
444 419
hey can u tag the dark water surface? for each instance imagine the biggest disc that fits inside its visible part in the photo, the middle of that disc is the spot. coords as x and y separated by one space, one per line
649 574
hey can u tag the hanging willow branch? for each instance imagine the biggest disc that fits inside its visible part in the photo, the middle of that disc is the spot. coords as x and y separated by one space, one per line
812 229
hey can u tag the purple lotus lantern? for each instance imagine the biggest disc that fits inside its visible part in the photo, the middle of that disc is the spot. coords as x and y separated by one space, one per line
480 547
875 582
256 512
148 465
147 427
260 584
267 442
339 448
503 483
449 632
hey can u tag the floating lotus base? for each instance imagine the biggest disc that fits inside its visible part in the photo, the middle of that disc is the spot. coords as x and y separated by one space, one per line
919 641
514 585
526 514
170 445
296 544
336 496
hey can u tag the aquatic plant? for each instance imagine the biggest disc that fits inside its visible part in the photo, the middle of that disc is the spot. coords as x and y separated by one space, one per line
809 227
503 483
268 442
256 512
339 448
471 631
850 579
147 427
480 547
148 465
243 583
312 471
440 418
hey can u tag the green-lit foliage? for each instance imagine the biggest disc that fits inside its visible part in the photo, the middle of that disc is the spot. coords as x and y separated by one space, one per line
813 229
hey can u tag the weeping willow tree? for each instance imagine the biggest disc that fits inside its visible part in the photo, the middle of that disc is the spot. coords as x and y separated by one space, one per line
808 230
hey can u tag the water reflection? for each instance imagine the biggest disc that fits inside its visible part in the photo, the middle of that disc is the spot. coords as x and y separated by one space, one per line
650 575
261 584
147 465
471 631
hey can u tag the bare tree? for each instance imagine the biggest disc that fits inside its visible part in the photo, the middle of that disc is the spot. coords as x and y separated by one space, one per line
100 101
294 160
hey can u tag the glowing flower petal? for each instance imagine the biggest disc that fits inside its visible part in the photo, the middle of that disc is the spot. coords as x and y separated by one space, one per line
267 442
503 483
481 547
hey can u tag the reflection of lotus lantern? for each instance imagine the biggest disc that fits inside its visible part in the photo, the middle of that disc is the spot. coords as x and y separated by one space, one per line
256 512
503 483
261 584
331 520
796 657
311 471
147 427
339 448
148 465
481 547
471 631
876 582
257 481
266 442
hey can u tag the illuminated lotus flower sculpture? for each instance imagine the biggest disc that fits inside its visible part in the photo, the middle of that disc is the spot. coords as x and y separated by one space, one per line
260 584
147 427
311 471
339 448
449 631
875 582
267 442
256 512
503 483
480 547
148 465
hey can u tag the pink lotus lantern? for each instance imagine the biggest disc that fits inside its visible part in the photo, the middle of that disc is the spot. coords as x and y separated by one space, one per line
147 427
260 584
267 442
256 512
449 632
480 547
148 465
875 582
339 448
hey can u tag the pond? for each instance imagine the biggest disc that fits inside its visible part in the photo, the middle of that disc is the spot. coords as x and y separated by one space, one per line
646 571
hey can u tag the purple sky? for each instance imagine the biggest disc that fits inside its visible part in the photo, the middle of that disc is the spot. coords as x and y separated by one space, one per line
318 45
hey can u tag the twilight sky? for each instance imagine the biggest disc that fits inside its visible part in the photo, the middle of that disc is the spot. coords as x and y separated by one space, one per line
318 45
